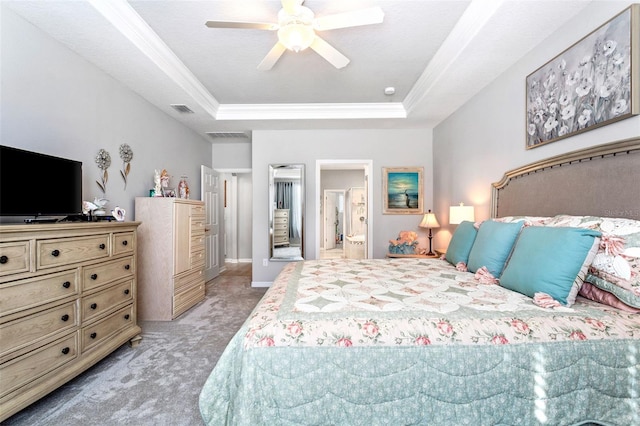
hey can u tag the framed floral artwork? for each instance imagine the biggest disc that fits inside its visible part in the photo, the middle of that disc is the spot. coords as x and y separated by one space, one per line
402 190
591 84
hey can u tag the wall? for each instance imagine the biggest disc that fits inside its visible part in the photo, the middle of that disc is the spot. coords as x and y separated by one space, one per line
232 155
386 148
55 102
486 137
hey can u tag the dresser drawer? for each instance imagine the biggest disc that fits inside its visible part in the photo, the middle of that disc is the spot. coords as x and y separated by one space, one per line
197 225
63 251
100 331
28 293
123 242
281 213
183 281
14 257
185 300
197 259
103 301
97 275
197 210
197 243
29 367
24 331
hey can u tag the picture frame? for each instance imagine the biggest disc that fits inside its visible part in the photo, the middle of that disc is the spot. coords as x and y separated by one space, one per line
402 190
593 83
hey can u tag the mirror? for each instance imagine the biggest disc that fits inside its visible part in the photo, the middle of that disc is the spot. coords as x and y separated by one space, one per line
286 211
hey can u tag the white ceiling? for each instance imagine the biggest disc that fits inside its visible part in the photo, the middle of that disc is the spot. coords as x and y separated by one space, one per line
436 53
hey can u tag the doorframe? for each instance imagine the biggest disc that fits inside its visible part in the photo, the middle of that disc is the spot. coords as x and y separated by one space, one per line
367 166
232 204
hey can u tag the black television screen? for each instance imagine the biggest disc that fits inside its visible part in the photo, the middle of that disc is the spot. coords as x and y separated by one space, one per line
33 184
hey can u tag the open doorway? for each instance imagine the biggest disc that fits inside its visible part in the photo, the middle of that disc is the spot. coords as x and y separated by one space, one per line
350 178
333 224
237 223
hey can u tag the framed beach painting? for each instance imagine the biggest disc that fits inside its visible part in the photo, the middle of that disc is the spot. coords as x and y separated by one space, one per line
402 191
593 83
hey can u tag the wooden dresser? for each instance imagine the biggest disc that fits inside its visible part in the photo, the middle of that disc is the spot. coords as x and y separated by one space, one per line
171 267
67 300
280 227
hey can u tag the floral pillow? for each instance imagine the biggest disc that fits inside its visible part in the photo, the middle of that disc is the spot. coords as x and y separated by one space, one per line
616 266
528 220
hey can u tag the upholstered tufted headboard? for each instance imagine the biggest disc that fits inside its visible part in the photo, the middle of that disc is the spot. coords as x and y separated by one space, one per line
603 180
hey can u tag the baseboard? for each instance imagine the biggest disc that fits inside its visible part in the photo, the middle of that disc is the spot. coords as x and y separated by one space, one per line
261 283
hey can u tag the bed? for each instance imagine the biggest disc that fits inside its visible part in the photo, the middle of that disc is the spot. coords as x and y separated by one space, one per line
426 341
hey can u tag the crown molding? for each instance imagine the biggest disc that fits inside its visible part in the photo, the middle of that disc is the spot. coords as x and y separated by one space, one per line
126 20
474 18
324 111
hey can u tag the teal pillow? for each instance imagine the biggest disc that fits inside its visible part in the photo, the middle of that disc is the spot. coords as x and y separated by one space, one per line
461 243
551 260
493 245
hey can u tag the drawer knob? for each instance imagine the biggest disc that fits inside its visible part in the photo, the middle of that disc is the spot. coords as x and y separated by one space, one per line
65 350
65 317
102 246
93 335
127 267
126 291
94 276
125 242
66 284
55 253
94 306
126 316
4 259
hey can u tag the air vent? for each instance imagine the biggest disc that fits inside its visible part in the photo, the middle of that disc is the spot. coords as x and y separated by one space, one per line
226 135
183 109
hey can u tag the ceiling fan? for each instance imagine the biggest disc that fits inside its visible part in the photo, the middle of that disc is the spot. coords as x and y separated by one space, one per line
297 26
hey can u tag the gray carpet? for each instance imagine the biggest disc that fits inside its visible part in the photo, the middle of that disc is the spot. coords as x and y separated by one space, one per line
158 382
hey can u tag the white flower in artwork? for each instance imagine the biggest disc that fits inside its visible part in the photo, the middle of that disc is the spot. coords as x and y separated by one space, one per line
550 124
609 47
572 78
568 112
563 131
584 87
618 59
619 107
584 117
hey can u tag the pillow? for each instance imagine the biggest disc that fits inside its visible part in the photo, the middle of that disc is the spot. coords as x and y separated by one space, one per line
528 220
625 296
461 243
551 260
596 294
493 245
618 259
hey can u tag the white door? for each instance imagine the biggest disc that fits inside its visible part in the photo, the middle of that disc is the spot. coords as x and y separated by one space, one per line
330 206
366 218
212 244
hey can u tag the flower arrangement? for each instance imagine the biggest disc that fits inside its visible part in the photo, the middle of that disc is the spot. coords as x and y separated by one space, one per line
103 160
406 243
126 154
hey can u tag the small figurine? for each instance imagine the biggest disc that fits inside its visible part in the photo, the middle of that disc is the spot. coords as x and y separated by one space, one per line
157 191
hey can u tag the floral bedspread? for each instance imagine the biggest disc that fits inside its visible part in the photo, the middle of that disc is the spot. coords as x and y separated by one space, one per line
414 341
409 301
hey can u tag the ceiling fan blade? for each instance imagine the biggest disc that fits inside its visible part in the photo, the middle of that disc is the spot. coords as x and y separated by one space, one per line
272 57
329 53
242 25
355 18
290 6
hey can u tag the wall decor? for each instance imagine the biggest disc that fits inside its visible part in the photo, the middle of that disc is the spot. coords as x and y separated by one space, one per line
402 191
103 160
593 83
126 155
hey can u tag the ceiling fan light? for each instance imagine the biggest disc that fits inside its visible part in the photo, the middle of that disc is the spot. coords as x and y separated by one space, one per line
296 37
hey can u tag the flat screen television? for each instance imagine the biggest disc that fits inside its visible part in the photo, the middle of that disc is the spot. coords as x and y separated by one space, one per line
38 186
